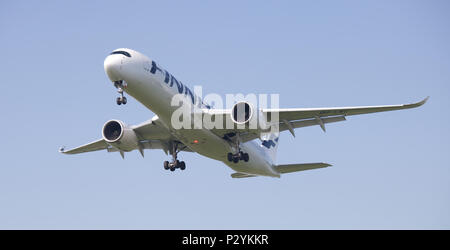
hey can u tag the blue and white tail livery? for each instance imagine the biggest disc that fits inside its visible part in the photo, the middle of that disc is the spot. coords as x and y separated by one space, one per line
249 152
270 145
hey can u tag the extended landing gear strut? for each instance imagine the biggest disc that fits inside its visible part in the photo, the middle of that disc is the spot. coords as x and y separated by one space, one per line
120 85
175 163
239 156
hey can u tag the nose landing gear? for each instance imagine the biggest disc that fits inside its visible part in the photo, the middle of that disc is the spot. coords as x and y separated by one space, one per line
121 100
120 85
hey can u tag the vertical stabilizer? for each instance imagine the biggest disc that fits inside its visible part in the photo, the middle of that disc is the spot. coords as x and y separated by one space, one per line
269 142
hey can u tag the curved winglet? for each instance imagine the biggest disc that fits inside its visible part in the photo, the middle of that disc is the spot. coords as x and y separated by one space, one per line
418 104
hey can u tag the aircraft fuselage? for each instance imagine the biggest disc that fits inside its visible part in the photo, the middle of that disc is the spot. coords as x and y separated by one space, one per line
155 87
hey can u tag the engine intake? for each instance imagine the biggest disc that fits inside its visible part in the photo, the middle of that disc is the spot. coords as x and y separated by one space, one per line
241 113
112 131
120 136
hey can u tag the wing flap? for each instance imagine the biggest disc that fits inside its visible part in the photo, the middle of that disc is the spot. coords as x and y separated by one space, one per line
311 122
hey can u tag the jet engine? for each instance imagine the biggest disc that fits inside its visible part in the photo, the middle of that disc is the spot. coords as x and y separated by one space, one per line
120 136
241 113
244 114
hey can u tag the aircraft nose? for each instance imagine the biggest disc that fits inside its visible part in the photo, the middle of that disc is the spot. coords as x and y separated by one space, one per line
113 66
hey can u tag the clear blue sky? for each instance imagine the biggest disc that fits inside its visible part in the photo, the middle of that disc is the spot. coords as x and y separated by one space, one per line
390 170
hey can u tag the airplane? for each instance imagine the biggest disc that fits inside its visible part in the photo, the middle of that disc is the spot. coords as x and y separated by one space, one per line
249 152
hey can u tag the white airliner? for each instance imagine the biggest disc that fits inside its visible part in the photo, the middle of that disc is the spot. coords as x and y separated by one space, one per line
242 149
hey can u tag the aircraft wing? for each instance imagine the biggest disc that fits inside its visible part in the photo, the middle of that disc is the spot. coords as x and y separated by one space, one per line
151 134
152 130
307 113
289 119
93 146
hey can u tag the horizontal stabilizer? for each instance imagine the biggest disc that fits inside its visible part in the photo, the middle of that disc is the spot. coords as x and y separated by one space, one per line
241 175
289 168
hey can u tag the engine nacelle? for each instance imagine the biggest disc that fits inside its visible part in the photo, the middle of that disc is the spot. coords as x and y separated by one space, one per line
242 113
246 116
120 136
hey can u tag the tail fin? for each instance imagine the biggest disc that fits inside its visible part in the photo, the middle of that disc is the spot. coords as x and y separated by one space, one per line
270 145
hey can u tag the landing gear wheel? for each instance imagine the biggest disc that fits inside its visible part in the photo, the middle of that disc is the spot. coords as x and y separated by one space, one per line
175 163
120 85
241 156
246 157
166 165
230 157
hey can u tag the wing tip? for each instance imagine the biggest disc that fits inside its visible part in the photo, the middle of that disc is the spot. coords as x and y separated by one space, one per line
418 104
325 165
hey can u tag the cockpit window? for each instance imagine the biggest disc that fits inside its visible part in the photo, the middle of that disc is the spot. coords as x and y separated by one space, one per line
121 52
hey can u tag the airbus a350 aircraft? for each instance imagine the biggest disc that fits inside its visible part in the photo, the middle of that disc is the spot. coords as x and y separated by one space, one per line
242 149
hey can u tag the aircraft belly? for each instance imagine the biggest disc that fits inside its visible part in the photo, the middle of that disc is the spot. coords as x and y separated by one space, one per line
210 145
204 142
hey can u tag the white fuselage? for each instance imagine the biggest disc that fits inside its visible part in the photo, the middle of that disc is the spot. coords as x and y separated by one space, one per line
154 87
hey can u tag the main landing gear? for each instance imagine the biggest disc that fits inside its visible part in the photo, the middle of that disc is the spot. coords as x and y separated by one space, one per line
174 164
120 85
239 156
